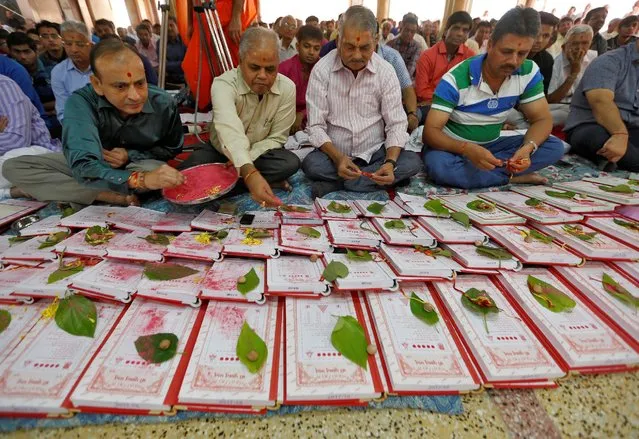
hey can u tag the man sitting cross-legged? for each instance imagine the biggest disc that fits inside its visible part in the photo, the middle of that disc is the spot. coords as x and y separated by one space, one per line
253 110
117 134
355 115
470 105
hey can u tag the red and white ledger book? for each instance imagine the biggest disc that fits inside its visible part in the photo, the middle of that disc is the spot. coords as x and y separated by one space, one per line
185 290
345 209
45 226
413 204
541 212
630 268
316 373
480 211
10 277
92 216
506 351
119 380
451 232
353 233
174 222
594 190
134 218
28 252
300 214
468 257
408 264
240 243
76 245
418 358
110 279
213 221
221 281
577 203
215 379
622 229
40 373
11 210
261 219
609 180
588 281
135 247
195 245
580 338
533 251
295 276
411 233
374 275
589 243
5 243
292 241
389 210
23 317
37 285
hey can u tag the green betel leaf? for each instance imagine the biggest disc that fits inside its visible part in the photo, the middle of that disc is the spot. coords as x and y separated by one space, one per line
578 232
309 231
257 233
157 348
298 209
461 218
97 235
336 207
5 319
359 255
481 206
567 195
166 271
395 224
479 302
349 339
53 239
616 290
493 252
376 208
251 349
548 296
251 281
533 202
538 236
66 269
434 252
67 211
157 238
424 311
77 315
620 188
437 208
632 225
334 270
17 239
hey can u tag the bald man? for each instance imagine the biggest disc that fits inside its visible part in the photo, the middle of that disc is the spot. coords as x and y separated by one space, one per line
118 133
253 111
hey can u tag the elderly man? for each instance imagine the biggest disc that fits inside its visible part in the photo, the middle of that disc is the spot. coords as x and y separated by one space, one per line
471 103
355 117
253 110
595 18
567 71
603 124
406 45
74 72
52 41
117 135
386 35
287 30
147 44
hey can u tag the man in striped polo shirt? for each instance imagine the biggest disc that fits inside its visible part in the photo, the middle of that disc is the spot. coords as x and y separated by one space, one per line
470 106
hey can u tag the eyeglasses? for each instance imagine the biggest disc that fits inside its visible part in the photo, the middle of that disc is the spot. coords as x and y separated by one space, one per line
50 36
80 44
290 25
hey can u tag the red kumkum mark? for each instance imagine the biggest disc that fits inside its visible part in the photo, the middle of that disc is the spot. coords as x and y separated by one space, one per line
128 74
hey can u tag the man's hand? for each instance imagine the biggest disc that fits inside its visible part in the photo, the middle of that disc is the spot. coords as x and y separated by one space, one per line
235 29
481 157
261 191
614 148
575 58
4 122
385 175
297 125
413 122
520 161
117 157
347 169
163 177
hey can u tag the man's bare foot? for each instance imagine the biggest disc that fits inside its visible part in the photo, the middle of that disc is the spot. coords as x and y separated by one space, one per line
282 185
118 199
16 192
529 179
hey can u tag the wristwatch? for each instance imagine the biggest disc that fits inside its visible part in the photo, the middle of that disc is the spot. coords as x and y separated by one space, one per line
413 113
392 162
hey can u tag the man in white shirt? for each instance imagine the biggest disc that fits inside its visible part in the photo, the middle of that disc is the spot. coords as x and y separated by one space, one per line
386 35
479 42
567 71
563 27
286 31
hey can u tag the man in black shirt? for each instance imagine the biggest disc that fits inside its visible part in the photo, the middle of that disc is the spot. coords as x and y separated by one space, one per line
538 53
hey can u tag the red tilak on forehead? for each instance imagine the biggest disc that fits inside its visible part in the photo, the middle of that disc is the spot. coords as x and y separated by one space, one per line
128 74
357 39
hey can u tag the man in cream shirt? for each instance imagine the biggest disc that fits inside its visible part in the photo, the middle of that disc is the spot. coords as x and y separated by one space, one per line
253 111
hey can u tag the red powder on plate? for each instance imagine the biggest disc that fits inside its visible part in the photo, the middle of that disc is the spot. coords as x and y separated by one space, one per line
203 183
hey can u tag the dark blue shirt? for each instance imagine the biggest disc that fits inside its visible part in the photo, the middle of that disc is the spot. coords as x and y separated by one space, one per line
326 48
175 51
15 71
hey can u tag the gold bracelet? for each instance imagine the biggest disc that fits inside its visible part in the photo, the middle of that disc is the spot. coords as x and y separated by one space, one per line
249 174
